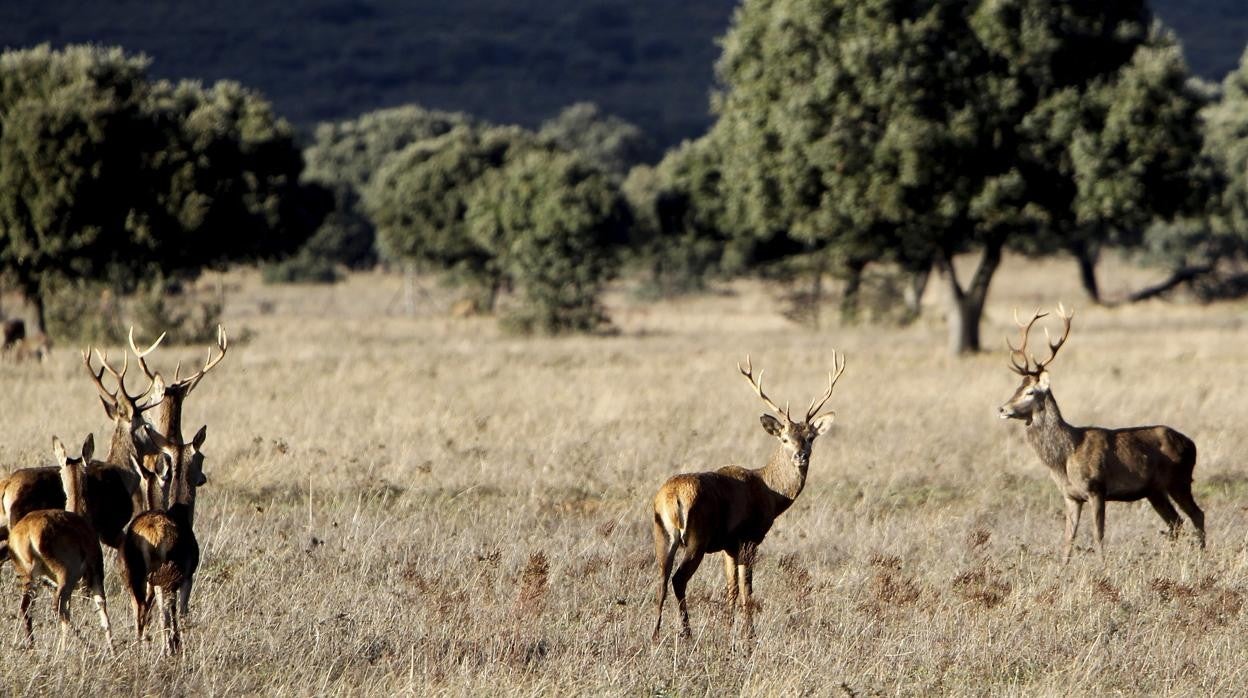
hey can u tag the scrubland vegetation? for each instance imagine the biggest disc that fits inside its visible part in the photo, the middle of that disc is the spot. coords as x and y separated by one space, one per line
416 504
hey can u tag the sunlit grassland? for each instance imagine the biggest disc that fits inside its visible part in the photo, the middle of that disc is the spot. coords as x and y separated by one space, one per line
410 503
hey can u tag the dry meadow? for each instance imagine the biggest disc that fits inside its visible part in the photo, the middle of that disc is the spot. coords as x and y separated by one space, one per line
415 504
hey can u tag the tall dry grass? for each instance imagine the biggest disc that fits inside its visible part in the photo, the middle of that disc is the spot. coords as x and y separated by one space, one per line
419 505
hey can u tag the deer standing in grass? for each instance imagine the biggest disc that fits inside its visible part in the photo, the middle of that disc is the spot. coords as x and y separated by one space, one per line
160 553
60 545
1094 465
732 509
113 489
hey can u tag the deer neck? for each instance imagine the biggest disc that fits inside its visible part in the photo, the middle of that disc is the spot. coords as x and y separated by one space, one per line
122 446
71 482
1052 438
168 416
783 477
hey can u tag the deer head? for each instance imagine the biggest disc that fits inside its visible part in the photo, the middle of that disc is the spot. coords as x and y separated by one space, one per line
169 418
796 438
121 407
1032 391
73 471
185 460
155 484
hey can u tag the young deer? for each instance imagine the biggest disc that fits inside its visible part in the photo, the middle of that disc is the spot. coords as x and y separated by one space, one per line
1097 465
113 488
161 554
61 546
732 508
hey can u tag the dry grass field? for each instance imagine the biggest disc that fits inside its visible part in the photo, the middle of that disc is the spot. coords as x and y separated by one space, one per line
421 505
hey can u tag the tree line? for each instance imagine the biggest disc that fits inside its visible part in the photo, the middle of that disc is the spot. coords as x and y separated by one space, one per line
848 134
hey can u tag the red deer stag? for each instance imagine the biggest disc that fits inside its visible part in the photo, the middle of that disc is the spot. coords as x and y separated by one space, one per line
732 508
1094 465
61 546
168 419
113 488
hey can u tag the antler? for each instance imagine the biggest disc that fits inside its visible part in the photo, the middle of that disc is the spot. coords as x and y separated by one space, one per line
114 396
1055 346
141 354
748 372
191 381
833 377
1030 366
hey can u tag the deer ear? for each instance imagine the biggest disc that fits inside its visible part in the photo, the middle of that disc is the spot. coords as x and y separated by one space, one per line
772 425
823 423
58 449
200 435
110 408
88 449
1043 381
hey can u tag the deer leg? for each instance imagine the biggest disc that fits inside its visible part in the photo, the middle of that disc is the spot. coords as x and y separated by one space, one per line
101 605
29 589
63 592
745 575
730 574
1074 508
1098 522
1182 495
665 551
184 595
1167 513
680 580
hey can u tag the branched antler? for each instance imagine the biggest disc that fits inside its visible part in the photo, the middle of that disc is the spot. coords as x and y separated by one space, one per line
833 377
1030 366
748 372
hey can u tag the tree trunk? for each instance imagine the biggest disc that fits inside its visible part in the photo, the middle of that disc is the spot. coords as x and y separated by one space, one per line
1087 254
851 300
966 306
912 295
36 299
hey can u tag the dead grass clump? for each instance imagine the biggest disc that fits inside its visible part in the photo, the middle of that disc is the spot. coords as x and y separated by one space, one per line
982 585
796 576
977 538
889 588
534 583
1104 589
1168 589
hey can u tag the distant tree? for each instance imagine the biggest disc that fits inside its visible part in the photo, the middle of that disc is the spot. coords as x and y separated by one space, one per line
683 233
72 133
106 176
344 156
894 130
419 200
604 140
1128 152
552 224
1227 145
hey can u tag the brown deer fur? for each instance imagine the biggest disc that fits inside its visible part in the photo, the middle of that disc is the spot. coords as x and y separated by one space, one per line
732 509
1095 465
161 554
113 488
61 546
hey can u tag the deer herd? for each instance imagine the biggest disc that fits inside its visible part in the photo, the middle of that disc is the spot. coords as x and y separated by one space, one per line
731 509
140 499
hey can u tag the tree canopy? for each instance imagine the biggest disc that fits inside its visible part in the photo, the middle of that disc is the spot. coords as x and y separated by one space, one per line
105 175
913 131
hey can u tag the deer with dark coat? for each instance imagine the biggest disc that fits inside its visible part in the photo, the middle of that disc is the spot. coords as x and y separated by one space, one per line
1094 465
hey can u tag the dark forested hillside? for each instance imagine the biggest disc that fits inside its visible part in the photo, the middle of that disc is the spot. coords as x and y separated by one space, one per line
649 61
